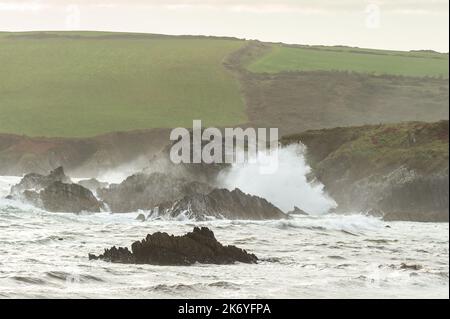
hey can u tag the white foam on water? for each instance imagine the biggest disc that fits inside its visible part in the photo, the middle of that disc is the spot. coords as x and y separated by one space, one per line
286 187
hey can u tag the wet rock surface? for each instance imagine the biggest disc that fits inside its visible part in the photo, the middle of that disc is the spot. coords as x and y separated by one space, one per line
221 203
145 191
198 246
61 197
37 182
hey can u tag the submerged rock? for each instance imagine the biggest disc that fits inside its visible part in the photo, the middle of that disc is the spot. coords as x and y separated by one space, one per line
141 217
61 197
198 246
221 203
37 182
145 191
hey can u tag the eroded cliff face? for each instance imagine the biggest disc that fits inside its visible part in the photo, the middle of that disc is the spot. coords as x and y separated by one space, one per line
398 171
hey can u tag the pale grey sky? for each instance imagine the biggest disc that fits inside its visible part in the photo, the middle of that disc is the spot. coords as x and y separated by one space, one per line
384 24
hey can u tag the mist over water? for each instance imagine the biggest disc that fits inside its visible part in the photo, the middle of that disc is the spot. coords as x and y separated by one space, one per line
287 186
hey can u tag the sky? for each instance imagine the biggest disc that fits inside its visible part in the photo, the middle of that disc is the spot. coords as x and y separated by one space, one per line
382 24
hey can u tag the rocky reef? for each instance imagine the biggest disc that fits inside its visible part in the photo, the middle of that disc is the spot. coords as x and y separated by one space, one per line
221 203
65 198
37 181
55 192
398 171
164 195
198 246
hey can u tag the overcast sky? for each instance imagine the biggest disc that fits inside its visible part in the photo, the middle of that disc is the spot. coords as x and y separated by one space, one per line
385 24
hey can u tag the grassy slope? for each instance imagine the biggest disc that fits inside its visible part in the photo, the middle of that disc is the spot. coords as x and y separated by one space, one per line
83 84
283 58
79 84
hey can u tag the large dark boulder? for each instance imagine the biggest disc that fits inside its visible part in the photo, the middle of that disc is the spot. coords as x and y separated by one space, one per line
37 182
145 191
221 203
61 197
198 246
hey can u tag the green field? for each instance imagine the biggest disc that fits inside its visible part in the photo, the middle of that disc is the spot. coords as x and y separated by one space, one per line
282 58
84 84
81 84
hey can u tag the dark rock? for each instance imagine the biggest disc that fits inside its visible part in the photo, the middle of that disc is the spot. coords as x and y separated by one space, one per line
37 182
198 246
221 203
60 197
145 191
92 184
297 211
410 267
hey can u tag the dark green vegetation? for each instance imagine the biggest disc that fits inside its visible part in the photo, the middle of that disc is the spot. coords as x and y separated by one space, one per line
80 84
296 58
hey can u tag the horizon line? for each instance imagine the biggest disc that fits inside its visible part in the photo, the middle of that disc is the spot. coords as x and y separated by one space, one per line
230 37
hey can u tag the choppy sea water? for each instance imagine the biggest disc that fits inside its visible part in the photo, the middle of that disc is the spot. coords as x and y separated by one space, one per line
45 255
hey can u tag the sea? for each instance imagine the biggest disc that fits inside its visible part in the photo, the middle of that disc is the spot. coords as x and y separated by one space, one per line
45 255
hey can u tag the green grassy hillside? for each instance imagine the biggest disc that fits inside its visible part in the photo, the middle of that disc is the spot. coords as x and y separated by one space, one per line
82 84
86 83
285 58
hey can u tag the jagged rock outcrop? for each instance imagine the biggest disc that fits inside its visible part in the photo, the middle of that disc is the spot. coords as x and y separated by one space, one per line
396 171
145 191
198 246
92 184
220 203
67 198
37 182
55 192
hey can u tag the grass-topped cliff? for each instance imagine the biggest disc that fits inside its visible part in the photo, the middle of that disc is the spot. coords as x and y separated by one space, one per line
377 148
399 170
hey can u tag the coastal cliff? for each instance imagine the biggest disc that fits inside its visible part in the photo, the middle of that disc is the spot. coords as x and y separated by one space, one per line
398 171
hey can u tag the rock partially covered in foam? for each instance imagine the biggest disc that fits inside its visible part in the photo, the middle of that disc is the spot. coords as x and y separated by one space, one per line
198 246
221 203
145 191
61 197
37 182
